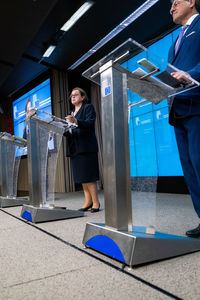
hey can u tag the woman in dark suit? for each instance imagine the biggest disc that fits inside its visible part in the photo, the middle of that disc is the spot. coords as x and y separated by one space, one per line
82 147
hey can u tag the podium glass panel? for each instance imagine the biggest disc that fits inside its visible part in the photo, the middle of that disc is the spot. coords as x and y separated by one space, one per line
150 77
131 225
10 148
44 136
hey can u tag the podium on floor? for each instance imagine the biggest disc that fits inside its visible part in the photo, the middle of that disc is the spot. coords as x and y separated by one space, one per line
44 136
150 79
10 156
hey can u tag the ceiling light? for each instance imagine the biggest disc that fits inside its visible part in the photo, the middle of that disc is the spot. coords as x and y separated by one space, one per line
131 18
49 50
77 15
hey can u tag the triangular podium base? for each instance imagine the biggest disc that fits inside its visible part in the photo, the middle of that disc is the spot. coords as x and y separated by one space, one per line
136 247
9 202
45 214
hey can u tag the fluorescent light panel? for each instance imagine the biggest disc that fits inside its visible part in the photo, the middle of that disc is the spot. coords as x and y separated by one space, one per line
49 50
130 19
77 15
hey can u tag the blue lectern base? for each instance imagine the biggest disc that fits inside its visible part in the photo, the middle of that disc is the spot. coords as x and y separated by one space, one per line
44 214
9 201
136 247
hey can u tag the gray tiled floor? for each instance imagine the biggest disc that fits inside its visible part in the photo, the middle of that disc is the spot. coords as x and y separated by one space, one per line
48 260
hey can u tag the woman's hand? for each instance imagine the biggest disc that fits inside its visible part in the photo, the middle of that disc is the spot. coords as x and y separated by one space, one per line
71 119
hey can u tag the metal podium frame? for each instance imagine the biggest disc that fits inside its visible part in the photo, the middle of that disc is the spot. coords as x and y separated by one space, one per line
118 238
9 167
41 209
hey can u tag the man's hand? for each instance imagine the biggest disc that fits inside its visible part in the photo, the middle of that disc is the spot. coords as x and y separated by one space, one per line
181 76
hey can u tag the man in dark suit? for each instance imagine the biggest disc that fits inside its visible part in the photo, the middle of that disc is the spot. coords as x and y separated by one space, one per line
184 114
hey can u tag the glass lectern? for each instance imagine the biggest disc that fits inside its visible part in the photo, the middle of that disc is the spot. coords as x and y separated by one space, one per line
44 136
150 79
10 147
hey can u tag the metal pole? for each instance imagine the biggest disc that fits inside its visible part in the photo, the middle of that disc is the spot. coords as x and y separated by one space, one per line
117 194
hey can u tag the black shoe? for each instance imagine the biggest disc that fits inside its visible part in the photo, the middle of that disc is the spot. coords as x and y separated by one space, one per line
194 232
85 208
93 210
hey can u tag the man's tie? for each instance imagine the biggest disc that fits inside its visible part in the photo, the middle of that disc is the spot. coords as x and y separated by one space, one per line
181 34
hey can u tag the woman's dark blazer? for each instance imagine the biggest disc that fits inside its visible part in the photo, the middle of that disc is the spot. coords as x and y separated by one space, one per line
83 138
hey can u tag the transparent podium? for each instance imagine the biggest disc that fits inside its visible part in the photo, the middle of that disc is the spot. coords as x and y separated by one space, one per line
9 166
44 136
150 79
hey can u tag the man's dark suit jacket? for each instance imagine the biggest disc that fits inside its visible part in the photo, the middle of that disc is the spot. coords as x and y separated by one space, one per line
83 138
187 59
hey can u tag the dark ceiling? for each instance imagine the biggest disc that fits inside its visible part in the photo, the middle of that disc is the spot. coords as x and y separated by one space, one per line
28 26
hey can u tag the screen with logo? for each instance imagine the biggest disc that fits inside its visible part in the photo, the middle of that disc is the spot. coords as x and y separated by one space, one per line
39 97
153 148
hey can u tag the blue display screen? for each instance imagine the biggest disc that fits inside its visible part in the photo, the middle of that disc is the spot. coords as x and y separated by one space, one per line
153 148
167 153
39 97
145 150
